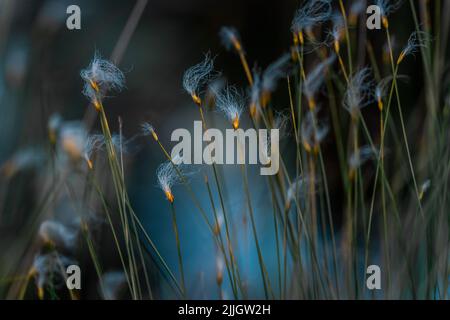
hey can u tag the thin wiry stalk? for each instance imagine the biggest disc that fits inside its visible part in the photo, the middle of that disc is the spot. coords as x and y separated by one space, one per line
177 240
266 281
330 221
133 223
300 215
120 195
244 63
234 264
113 231
347 36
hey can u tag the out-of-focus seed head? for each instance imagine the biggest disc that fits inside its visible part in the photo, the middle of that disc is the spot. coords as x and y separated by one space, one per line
416 40
312 13
359 92
314 80
113 283
50 268
275 71
356 9
23 159
168 174
148 129
312 131
230 38
57 234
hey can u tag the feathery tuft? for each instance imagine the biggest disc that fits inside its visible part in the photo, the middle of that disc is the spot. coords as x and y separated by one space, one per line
274 72
314 80
100 77
388 6
416 40
23 159
197 76
56 233
255 93
231 102
148 129
312 131
50 268
168 174
359 157
359 92
312 13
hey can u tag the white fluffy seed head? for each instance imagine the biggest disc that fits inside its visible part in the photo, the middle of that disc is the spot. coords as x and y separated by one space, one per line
231 103
297 189
100 77
282 123
51 268
255 89
94 143
359 91
357 7
416 40
381 88
74 139
113 282
425 186
54 122
388 6
77 144
338 24
255 93
312 130
359 157
23 159
312 13
315 78
274 72
214 86
58 234
148 129
196 77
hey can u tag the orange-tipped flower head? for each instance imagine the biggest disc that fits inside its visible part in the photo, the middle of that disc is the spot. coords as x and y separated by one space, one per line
48 267
168 174
235 122
312 13
148 129
312 132
231 103
197 76
100 77
416 40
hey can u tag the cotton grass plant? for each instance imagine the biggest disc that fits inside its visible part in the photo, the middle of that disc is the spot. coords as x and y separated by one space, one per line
385 179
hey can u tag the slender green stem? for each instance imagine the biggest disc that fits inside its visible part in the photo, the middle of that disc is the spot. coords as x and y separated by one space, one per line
177 240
